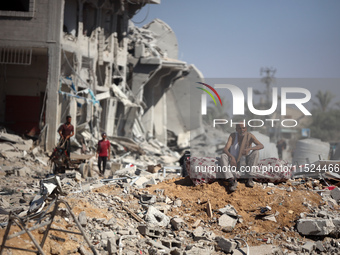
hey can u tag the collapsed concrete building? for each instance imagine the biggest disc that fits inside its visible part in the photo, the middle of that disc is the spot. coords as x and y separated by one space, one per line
85 58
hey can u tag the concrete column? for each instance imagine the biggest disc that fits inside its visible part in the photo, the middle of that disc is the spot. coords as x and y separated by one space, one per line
109 115
52 116
55 21
73 112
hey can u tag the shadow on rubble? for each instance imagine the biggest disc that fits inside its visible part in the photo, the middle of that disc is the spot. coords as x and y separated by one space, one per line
184 182
188 182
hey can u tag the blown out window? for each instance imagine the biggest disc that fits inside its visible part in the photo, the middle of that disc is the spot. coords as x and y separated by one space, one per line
17 8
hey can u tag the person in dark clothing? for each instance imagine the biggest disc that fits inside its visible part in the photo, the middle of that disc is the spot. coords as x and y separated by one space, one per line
182 160
281 145
66 131
103 153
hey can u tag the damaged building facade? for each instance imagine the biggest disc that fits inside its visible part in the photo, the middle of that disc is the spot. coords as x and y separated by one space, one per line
85 58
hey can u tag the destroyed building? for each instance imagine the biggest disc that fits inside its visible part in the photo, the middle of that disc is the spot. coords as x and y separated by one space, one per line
87 60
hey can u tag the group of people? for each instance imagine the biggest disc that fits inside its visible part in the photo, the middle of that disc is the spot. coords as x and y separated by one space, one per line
239 144
66 131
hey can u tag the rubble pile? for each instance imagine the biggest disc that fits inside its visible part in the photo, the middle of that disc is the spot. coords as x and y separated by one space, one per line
136 208
124 216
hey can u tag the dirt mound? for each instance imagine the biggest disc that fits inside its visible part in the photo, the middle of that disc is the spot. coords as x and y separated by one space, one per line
247 202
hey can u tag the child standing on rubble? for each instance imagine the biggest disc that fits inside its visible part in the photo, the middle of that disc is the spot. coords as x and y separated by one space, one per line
103 153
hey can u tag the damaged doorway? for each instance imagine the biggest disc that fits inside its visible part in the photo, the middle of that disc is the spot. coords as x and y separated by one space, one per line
23 89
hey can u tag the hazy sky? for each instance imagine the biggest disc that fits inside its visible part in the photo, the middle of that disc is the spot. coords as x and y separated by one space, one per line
235 38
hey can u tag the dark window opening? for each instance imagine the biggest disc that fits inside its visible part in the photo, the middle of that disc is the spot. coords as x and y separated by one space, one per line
120 35
71 17
101 74
15 5
89 19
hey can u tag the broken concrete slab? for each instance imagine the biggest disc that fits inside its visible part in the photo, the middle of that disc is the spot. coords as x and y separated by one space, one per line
108 235
148 199
111 246
126 171
143 181
319 246
318 227
156 218
11 138
335 194
308 247
229 210
6 147
259 250
158 245
227 221
163 207
177 223
226 245
25 171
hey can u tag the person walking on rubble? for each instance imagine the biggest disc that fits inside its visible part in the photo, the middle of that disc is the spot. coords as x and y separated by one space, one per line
66 131
103 153
240 144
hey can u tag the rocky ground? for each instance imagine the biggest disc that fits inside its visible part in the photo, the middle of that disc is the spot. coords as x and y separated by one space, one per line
133 211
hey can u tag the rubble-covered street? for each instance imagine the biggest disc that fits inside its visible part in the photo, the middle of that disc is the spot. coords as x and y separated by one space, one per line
134 211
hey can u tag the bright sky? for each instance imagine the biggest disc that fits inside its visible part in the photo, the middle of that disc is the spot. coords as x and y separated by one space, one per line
235 38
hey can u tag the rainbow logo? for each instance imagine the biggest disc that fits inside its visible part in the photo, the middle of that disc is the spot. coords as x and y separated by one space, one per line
209 93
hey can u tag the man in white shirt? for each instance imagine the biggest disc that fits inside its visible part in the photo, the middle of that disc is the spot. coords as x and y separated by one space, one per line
240 143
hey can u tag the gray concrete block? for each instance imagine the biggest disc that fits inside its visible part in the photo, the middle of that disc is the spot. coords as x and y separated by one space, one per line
171 243
318 227
176 223
152 231
228 209
226 245
156 218
227 221
260 250
319 246
111 246
308 247
335 194
336 223
108 235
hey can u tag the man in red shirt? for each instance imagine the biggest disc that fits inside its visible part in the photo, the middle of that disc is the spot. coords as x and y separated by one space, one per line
104 152
66 131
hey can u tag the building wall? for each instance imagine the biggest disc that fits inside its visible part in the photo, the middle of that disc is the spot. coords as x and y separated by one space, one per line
25 31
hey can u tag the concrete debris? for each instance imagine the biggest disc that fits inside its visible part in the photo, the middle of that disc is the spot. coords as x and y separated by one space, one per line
229 210
226 245
335 194
317 227
319 246
177 223
308 247
11 138
226 221
147 199
156 218
82 219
